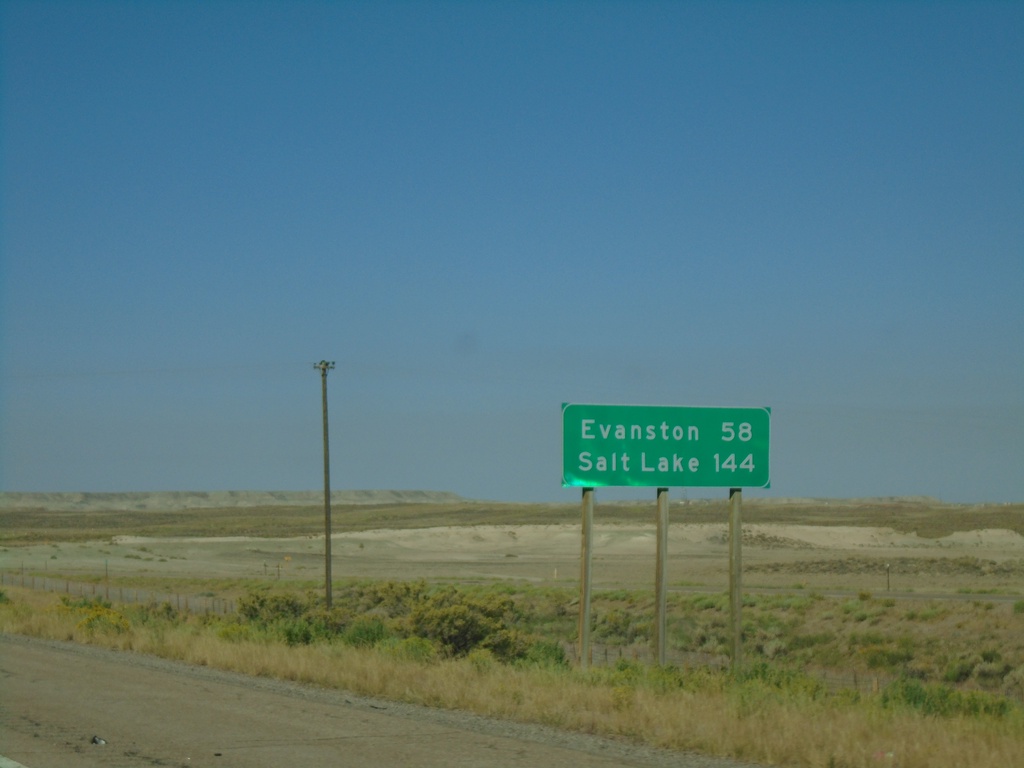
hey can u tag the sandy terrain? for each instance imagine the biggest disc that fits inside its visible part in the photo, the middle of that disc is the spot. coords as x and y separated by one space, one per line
774 555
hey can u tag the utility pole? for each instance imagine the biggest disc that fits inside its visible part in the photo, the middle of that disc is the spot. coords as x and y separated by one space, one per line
324 366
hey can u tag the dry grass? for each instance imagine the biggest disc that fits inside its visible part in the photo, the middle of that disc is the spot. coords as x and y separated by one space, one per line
711 713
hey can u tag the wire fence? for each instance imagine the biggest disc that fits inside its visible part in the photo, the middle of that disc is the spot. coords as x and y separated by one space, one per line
189 603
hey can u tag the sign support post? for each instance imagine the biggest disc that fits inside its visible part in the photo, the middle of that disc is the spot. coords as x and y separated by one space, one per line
661 566
735 571
588 537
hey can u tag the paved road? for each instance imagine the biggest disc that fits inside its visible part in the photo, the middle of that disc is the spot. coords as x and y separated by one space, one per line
55 697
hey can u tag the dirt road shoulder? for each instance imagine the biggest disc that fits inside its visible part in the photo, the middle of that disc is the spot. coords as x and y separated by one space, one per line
149 711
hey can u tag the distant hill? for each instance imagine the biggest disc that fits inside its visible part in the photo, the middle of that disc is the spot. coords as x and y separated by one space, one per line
176 500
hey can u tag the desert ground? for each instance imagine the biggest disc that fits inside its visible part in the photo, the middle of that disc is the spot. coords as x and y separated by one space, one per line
222 545
907 546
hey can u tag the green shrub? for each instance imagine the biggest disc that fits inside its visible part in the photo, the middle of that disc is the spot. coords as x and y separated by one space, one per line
798 642
867 638
458 623
547 653
1013 683
784 680
268 608
799 603
389 598
710 602
452 621
153 614
295 631
958 671
886 658
931 612
850 606
365 632
622 627
942 700
628 672
416 649
989 672
96 614
327 624
664 679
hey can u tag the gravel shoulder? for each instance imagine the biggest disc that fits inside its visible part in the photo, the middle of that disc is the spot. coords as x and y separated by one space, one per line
151 711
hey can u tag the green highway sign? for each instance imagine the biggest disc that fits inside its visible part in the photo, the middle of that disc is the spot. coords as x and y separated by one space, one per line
664 446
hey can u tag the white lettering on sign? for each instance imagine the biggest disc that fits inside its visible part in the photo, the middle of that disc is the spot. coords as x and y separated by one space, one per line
729 432
664 445
612 462
729 463
589 462
661 431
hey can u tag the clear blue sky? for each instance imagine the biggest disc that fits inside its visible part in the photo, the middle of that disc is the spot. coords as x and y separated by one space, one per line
481 210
